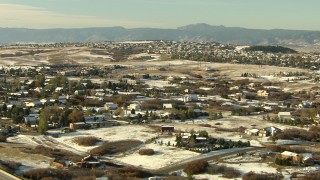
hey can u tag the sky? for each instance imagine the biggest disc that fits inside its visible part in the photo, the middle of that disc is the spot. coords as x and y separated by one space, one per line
256 14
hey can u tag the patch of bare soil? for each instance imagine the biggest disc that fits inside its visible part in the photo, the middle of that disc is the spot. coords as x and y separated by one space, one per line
54 153
115 147
21 153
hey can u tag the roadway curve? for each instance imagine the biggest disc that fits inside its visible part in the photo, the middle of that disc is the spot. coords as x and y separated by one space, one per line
207 157
6 176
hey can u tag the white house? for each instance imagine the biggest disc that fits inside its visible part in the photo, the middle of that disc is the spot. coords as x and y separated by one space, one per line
284 115
58 89
252 132
167 106
134 106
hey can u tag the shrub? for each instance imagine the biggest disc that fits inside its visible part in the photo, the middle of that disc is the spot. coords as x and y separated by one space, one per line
36 174
312 176
266 176
130 172
276 148
77 172
49 178
231 173
85 178
311 135
13 166
206 125
115 147
86 141
148 152
3 138
216 169
196 167
227 172
283 162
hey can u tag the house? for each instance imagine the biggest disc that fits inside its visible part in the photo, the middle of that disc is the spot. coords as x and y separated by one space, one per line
62 99
307 159
34 104
190 98
294 157
31 119
69 73
110 106
61 163
167 129
251 85
284 115
304 158
269 131
134 106
79 92
262 93
58 89
132 81
252 132
305 104
167 106
210 69
79 125
90 162
171 78
43 101
156 178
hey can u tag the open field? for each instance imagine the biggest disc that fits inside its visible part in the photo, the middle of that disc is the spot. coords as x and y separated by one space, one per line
164 154
180 68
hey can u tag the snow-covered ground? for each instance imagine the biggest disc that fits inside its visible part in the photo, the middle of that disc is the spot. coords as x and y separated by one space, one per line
164 156
66 141
88 54
116 133
242 167
7 62
159 83
153 56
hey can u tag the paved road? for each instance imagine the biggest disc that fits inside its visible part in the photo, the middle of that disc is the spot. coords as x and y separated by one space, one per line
6 176
206 157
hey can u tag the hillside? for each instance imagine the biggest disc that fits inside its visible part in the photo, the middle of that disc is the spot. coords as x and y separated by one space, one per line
271 49
195 32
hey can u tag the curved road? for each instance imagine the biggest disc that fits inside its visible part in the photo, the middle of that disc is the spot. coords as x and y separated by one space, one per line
6 176
207 157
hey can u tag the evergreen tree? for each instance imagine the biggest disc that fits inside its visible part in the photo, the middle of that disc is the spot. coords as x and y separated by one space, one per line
43 122
17 114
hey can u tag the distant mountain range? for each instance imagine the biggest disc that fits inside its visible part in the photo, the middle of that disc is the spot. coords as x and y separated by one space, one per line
194 32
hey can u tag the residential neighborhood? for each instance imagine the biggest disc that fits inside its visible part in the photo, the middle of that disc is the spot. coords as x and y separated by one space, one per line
157 106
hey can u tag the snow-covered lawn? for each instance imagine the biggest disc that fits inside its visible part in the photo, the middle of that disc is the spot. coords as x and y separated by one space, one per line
116 133
88 54
164 155
159 83
66 141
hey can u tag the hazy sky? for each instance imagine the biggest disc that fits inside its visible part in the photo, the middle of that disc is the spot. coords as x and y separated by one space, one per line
265 14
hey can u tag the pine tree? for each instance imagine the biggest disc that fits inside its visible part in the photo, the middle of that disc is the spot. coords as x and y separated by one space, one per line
43 122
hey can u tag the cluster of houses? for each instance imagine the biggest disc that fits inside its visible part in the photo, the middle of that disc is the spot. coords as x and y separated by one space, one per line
199 98
296 158
264 132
